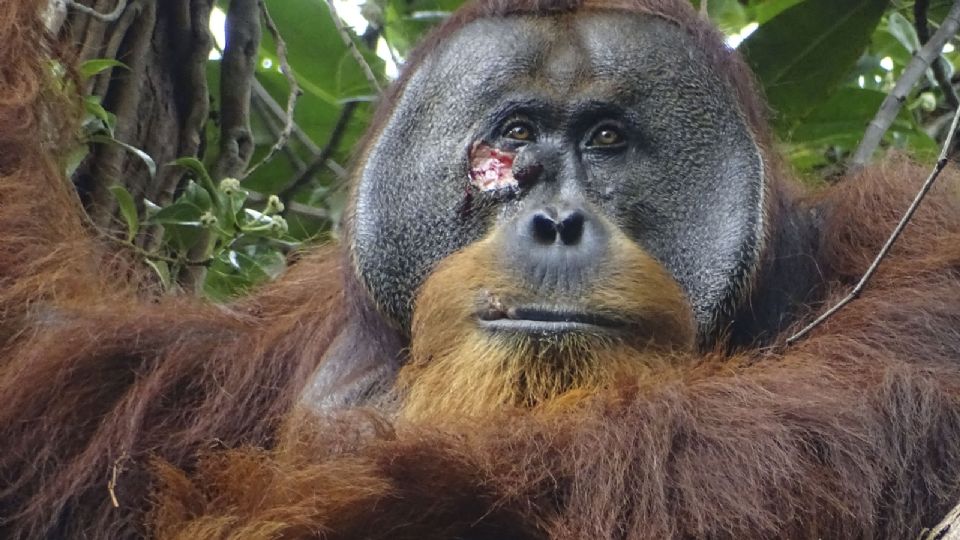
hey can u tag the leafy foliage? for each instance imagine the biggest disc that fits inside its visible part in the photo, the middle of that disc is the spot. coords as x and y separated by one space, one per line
825 66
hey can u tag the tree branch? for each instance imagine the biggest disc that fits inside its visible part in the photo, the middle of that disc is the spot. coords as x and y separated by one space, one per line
352 47
295 90
91 44
273 126
118 32
237 74
914 70
124 102
104 17
193 42
261 95
236 139
321 159
939 65
897 231
264 97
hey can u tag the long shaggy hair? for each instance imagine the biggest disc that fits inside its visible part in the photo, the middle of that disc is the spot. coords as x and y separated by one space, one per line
126 415
851 433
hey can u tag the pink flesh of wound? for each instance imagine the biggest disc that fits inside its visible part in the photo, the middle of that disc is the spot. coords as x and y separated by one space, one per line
491 168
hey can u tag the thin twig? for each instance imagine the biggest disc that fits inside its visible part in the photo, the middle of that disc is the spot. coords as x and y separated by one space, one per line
273 126
321 159
114 476
940 64
303 138
941 163
99 84
911 74
293 207
295 90
139 251
298 164
264 97
105 17
352 47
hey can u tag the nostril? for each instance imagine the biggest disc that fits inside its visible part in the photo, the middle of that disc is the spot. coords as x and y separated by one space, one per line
544 228
571 228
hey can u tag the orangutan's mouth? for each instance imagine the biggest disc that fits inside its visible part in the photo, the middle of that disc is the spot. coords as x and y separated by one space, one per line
544 320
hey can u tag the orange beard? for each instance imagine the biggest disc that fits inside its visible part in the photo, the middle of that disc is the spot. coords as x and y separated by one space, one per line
458 368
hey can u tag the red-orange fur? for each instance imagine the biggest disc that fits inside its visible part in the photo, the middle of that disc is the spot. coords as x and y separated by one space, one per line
95 372
855 432
850 434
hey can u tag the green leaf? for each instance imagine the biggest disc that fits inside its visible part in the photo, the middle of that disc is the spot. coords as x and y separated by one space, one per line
73 159
804 157
91 104
255 217
407 21
327 81
803 54
229 214
938 10
234 272
163 272
178 213
197 196
198 168
728 15
769 9
308 27
902 29
144 157
919 144
92 67
128 209
884 43
840 120
838 125
184 236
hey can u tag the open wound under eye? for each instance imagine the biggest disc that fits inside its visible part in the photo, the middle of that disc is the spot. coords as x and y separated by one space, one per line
491 168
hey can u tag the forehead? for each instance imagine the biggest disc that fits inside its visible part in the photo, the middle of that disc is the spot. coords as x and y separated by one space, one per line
593 52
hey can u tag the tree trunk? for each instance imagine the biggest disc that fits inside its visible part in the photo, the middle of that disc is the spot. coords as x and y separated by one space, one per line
161 102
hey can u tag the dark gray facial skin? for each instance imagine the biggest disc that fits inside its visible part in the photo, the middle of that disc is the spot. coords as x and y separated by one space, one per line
686 180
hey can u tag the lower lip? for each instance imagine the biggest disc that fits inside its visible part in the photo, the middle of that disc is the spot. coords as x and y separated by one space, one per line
527 326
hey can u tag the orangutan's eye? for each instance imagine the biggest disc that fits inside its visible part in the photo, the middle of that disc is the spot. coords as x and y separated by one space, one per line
519 131
606 136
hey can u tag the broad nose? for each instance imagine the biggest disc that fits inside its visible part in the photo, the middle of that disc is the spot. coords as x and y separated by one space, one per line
550 226
557 246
